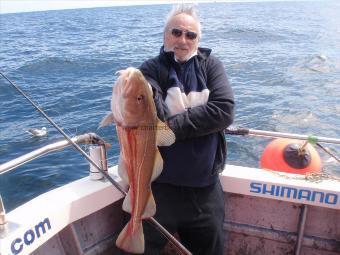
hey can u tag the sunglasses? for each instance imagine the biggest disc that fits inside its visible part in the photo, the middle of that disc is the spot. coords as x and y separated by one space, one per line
188 34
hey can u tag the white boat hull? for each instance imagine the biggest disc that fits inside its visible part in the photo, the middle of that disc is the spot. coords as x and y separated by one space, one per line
262 216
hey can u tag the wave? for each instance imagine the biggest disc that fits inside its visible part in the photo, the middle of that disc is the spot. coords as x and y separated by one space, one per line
66 66
318 63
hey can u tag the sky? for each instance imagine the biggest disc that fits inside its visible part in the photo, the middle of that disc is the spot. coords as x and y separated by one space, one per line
13 6
10 6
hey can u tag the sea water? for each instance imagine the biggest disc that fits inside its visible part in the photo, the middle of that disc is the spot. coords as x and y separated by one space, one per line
282 60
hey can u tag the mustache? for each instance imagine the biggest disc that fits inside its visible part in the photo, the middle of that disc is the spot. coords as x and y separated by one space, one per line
172 48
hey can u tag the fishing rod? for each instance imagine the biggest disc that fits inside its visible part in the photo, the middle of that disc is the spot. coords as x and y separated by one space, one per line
180 248
254 132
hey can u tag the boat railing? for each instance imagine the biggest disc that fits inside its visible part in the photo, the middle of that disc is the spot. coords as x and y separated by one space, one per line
90 138
97 153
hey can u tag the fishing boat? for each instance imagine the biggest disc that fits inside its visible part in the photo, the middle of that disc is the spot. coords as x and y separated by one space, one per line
267 212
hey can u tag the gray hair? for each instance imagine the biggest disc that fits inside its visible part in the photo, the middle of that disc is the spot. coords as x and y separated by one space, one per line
183 8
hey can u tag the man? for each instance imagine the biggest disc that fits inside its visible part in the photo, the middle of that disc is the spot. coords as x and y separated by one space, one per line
192 94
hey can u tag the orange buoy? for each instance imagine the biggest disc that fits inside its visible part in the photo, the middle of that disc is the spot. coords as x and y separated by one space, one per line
291 156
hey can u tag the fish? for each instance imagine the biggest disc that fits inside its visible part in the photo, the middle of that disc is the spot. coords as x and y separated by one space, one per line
139 132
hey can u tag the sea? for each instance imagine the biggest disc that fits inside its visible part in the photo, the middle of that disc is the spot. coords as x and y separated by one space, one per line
282 60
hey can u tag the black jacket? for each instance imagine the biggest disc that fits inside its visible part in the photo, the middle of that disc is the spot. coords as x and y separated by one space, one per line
197 122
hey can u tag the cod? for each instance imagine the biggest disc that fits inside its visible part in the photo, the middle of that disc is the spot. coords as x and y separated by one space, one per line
140 133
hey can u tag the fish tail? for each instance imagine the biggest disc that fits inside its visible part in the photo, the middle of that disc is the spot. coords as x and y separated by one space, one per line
131 238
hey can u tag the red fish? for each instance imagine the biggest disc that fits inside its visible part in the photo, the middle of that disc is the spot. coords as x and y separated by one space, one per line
139 132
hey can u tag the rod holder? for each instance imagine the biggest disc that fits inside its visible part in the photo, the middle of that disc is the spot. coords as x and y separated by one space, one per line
99 156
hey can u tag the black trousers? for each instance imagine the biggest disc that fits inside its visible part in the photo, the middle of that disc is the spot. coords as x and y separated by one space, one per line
196 214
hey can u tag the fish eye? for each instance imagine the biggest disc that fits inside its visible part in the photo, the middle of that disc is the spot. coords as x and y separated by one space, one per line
140 98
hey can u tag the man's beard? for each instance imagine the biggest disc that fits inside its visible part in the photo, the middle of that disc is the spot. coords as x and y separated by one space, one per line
183 59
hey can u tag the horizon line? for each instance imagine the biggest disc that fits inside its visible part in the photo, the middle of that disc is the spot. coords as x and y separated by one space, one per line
22 6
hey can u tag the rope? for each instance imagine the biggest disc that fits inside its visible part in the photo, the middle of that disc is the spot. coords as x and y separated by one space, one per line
328 151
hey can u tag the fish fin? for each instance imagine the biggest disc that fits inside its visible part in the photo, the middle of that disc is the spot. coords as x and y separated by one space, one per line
127 202
158 166
165 136
131 238
108 119
150 208
150 87
122 170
